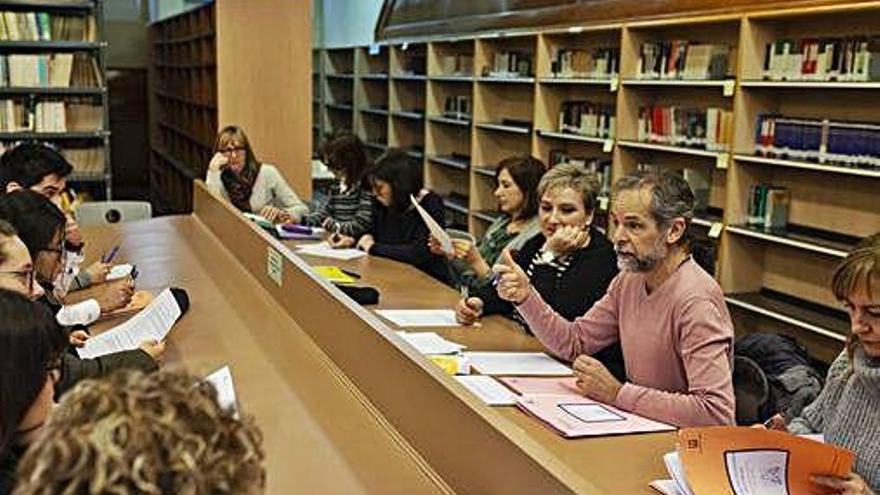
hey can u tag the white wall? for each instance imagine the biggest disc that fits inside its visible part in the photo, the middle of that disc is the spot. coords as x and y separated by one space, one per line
348 22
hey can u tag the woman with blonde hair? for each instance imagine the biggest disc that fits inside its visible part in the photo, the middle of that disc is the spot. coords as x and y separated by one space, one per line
252 186
847 410
160 433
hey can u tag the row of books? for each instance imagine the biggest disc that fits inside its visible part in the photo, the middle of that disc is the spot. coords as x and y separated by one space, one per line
459 64
49 116
706 128
85 160
821 141
768 206
458 107
699 178
510 64
42 26
598 63
57 70
601 167
681 59
823 59
587 119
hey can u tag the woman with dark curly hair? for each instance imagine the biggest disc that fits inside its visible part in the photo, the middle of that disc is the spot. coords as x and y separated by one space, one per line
161 433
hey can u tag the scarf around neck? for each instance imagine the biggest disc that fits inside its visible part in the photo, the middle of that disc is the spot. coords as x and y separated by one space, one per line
240 186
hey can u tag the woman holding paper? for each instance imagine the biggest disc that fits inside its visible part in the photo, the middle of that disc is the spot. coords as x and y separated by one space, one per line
40 227
252 186
847 410
31 345
569 262
398 232
517 194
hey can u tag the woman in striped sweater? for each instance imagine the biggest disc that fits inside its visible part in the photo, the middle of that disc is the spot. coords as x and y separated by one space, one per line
347 210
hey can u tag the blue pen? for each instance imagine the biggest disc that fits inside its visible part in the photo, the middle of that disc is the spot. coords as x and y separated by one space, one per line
107 258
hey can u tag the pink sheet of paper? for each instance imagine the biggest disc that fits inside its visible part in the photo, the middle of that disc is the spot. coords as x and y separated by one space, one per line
538 385
575 416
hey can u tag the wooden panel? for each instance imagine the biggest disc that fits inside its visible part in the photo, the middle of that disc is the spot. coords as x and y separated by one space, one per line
271 105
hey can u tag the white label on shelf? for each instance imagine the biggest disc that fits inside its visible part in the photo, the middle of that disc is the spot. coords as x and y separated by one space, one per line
722 160
615 82
729 86
715 230
607 145
404 46
576 29
374 49
603 203
274 265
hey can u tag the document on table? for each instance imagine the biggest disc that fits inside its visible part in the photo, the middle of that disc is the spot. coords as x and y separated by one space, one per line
574 416
488 390
324 250
517 364
430 343
436 230
222 382
414 318
152 323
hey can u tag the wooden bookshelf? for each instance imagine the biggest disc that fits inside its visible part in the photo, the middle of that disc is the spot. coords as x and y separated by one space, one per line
184 106
317 101
775 280
83 135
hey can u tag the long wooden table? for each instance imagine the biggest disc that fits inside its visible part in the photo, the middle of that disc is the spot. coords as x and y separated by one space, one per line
345 404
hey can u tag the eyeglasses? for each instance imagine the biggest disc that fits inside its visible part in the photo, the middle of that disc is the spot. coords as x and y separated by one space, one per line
230 151
26 277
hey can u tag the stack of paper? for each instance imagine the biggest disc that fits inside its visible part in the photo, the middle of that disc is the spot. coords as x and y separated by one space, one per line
333 274
324 250
415 318
430 343
488 390
517 364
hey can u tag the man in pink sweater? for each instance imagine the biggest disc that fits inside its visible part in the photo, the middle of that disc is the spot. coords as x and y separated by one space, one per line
668 314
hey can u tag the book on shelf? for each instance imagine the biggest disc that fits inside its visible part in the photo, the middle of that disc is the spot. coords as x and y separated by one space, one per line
597 63
459 64
43 26
57 70
768 206
687 60
85 160
599 166
510 65
587 119
821 141
852 59
705 128
458 107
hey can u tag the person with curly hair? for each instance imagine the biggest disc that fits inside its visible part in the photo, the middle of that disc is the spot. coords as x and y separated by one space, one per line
162 433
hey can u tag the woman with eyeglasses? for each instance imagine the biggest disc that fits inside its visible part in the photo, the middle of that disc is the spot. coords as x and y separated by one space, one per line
252 186
40 226
31 346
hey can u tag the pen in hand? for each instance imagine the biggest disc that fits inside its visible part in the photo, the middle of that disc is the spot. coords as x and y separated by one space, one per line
108 257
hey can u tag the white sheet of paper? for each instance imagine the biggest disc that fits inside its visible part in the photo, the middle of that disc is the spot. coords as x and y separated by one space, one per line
415 318
152 323
436 230
591 413
324 250
758 472
488 390
517 364
666 487
430 343
119 271
222 381
676 470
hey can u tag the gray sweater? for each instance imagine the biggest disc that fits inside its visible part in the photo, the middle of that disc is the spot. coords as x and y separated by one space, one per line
847 412
270 189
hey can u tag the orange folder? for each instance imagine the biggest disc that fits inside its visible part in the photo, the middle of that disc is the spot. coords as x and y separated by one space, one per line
731 460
